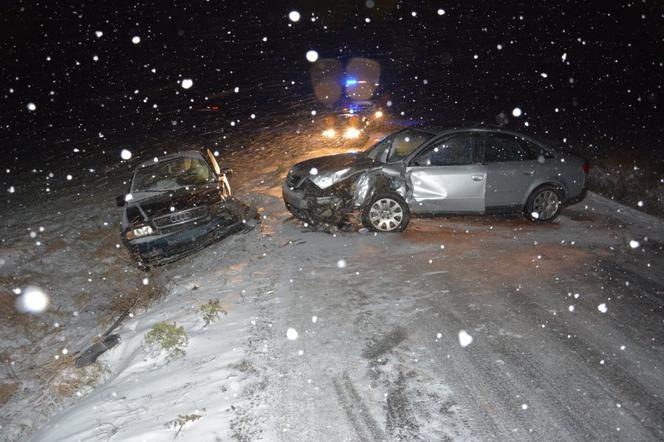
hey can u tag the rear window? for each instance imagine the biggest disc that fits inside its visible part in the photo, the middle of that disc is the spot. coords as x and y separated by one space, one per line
503 148
534 150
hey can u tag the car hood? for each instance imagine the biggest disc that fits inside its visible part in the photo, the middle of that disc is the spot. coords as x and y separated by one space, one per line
329 170
157 204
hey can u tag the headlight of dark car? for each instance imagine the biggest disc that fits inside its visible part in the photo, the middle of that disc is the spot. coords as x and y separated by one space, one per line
139 232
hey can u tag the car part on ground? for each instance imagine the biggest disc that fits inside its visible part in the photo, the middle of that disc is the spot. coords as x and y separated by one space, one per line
177 205
429 170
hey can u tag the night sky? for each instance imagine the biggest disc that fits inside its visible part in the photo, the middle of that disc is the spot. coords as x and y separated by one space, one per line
599 63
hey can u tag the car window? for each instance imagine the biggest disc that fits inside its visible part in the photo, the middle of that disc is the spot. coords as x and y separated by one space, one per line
171 174
502 147
378 152
534 150
405 142
454 151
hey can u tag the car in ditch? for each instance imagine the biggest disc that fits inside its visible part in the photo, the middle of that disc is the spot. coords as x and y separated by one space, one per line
429 171
178 204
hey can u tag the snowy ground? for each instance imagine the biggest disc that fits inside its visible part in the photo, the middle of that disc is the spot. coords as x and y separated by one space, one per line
353 336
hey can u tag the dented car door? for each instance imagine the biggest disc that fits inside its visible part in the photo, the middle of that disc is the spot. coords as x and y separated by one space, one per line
447 176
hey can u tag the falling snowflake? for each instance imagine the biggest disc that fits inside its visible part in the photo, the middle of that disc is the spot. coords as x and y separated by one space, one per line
294 16
32 300
312 56
464 338
99 34
441 12
291 334
313 171
187 83
32 107
634 244
341 263
136 39
125 154
516 112
602 308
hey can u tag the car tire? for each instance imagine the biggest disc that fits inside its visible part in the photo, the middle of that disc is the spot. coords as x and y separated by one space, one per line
544 204
387 212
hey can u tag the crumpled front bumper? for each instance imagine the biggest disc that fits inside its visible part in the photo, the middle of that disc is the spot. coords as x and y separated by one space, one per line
329 209
163 249
169 247
293 198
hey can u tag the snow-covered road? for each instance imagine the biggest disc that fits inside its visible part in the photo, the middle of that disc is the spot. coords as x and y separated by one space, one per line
461 328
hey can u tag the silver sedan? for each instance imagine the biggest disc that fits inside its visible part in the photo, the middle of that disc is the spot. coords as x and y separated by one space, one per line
436 171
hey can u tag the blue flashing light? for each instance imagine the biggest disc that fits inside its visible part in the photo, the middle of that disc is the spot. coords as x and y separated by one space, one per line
351 82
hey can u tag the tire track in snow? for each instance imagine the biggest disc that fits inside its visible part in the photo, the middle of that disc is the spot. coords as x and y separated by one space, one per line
358 414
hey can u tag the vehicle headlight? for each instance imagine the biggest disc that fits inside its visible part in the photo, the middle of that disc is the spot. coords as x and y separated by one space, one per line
352 132
329 133
322 181
141 231
325 181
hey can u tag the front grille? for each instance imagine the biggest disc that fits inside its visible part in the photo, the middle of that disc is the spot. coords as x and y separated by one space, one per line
310 189
182 217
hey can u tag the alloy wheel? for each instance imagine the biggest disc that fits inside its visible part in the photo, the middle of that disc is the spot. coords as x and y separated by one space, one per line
386 214
546 205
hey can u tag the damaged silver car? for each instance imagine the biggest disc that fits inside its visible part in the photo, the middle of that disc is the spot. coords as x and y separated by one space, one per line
430 170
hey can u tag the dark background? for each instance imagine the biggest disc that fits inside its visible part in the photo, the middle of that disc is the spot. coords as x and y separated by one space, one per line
614 56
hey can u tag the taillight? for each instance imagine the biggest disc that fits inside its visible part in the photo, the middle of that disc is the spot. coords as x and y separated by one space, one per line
586 167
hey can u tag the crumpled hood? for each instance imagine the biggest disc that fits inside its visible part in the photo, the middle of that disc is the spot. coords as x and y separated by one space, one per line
331 169
180 199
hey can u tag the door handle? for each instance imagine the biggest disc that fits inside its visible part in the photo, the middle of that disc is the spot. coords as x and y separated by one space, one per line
477 177
529 172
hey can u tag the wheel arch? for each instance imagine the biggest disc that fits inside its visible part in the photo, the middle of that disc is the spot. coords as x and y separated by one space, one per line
541 183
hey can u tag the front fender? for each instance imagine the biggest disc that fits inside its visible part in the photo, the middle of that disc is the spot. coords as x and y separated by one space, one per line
377 181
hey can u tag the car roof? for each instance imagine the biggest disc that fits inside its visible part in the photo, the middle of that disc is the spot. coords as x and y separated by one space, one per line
184 154
441 130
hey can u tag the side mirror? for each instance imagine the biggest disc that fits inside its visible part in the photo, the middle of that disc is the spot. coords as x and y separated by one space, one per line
120 200
226 171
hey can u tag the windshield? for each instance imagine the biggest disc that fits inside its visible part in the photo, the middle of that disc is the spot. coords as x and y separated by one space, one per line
171 174
397 146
